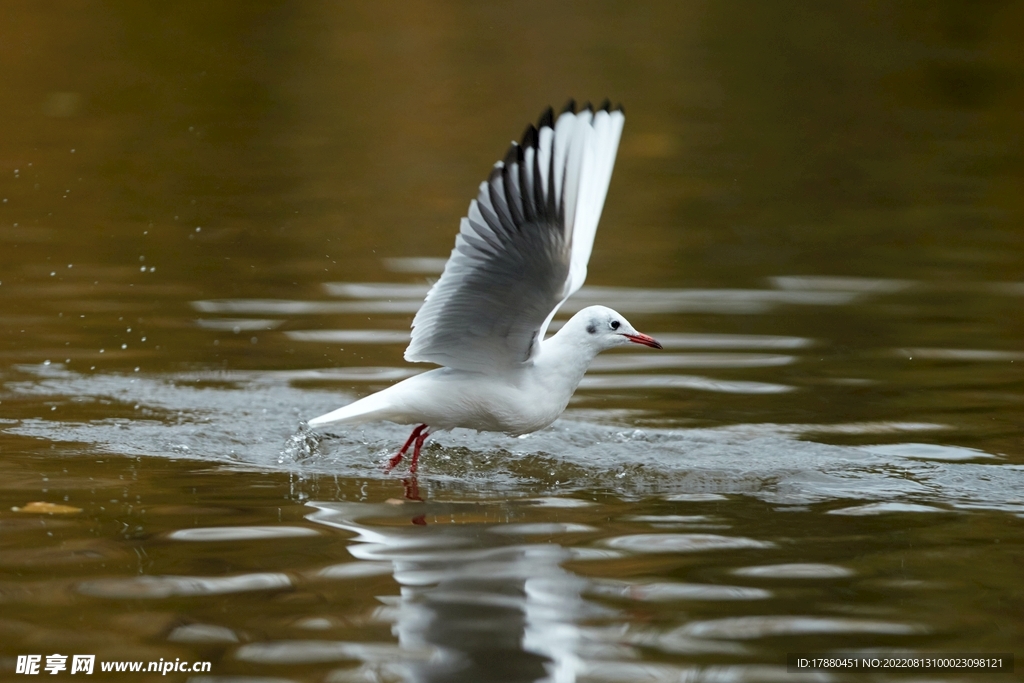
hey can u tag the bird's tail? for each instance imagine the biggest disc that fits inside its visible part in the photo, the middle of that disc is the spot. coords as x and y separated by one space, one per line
364 410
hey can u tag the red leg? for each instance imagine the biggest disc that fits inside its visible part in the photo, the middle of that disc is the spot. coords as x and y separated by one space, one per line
397 457
416 450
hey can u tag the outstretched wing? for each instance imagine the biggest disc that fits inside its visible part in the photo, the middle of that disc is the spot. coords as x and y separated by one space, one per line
524 247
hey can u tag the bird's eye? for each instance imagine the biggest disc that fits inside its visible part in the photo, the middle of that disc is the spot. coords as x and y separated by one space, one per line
615 324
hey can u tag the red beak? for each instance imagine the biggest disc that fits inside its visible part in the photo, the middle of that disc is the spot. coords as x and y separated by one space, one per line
643 339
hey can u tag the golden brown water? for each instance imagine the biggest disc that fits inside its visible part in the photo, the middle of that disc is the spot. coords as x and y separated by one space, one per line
219 218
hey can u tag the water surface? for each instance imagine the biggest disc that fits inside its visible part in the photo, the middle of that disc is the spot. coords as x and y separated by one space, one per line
218 222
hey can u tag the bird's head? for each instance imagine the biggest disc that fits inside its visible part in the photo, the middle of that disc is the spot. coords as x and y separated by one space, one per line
604 329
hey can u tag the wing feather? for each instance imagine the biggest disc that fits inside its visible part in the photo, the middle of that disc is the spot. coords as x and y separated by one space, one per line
523 247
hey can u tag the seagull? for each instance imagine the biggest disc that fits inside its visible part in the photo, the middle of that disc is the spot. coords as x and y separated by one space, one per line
521 251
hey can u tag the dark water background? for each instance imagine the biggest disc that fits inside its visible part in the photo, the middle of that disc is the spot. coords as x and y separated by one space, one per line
206 209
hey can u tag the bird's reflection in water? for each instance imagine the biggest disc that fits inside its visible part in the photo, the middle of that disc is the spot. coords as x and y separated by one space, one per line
473 605
411 484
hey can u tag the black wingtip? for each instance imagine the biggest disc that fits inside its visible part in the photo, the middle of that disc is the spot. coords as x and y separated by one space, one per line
513 154
606 105
547 119
529 137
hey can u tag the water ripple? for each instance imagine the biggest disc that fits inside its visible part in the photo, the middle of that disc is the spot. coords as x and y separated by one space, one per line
315 651
180 586
681 382
746 628
240 533
980 355
638 361
355 570
801 570
885 509
682 340
929 451
848 284
671 592
349 336
292 307
202 633
376 290
541 528
682 543
237 325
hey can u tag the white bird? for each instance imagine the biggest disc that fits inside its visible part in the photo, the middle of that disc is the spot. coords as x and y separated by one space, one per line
520 253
